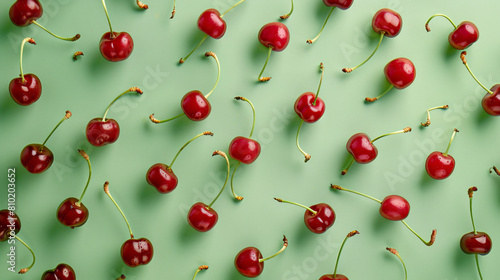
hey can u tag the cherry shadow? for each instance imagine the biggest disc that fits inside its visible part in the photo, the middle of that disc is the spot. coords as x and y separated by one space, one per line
427 182
450 53
195 36
481 117
188 235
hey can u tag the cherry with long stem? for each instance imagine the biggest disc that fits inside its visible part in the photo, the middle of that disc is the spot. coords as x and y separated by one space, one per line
289 13
26 89
275 36
142 5
428 121
200 268
396 253
115 46
397 210
440 165
462 36
24 270
400 73
250 263
318 218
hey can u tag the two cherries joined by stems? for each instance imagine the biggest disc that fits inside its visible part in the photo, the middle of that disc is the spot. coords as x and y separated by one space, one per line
27 88
194 104
462 36
37 158
25 12
250 263
400 73
387 23
362 149
10 225
162 177
274 36
335 275
440 165
318 217
393 208
115 46
61 272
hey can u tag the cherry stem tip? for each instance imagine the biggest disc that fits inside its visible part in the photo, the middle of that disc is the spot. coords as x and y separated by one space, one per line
352 233
471 191
142 5
83 154
77 54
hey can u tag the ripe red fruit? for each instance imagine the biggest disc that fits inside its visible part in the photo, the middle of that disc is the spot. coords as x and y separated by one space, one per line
61 272
274 36
318 217
462 36
249 261
10 225
115 46
400 73
440 165
27 88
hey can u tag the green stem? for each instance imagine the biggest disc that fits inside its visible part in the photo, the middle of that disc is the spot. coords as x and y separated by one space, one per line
21 56
153 119
285 244
462 56
349 70
417 235
441 15
107 16
322 68
306 155
355 192
400 259
298 204
472 216
86 157
227 176
231 8
428 122
232 189
310 41
74 38
449 144
406 129
478 269
265 79
253 111
218 71
66 116
350 234
24 270
203 267
347 167
368 99
182 60
187 143
133 89
173 12
106 190
289 14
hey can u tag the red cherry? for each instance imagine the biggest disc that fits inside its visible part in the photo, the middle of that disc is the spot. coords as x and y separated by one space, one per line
61 272
440 165
318 218
400 72
195 106
27 88
308 111
491 101
244 149
211 23
275 36
476 243
249 261
464 35
335 275
10 225
23 12
331 277
116 47
387 21
341 4
361 148
394 208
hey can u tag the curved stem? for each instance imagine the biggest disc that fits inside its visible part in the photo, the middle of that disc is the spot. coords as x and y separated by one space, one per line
173 12
66 116
142 5
395 252
232 7
306 155
31 41
24 270
355 192
368 99
289 14
132 89
462 56
441 15
451 140
218 71
220 153
310 41
86 157
265 79
350 234
406 129
470 191
74 38
182 60
322 68
106 190
253 111
428 122
298 204
478 269
107 16
347 167
285 244
187 143
153 119
203 267
232 189
349 70
429 243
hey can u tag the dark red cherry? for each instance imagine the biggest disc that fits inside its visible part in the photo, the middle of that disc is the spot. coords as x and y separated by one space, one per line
211 23
479 243
195 106
400 72
35 159
464 35
330 277
162 178
306 110
137 252
275 35
244 149
27 92
361 148
394 208
8 221
61 272
247 262
100 133
71 213
116 47
201 217
387 21
341 4
322 220
439 166
23 12
491 102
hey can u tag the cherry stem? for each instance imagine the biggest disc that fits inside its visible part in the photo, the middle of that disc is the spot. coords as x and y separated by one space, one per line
310 41
253 110
464 60
406 129
86 157
428 122
348 166
232 189
322 69
451 140
142 5
132 89
495 169
285 244
470 191
232 7
368 99
66 116
182 60
349 70
428 243
107 16
355 192
207 54
395 252
306 155
203 267
265 79
153 119
220 153
289 14
77 54
187 143
350 234
24 270
440 15
74 38
298 204
478 269
31 41
106 190
121 277
173 12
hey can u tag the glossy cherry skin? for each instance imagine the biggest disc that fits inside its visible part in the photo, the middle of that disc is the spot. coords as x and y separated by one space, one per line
439 166
341 4
247 262
361 148
479 243
306 110
388 21
25 93
101 133
61 272
400 72
23 12
244 149
71 214
162 178
330 277
464 35
394 208
212 24
35 159
202 218
491 102
7 223
137 252
323 220
275 35
195 106
117 47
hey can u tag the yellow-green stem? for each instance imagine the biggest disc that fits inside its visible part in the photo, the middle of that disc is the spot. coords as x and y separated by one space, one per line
106 190
218 71
24 270
203 267
428 122
232 7
348 166
253 111
451 140
441 15
132 89
406 129
310 41
220 153
428 243
350 234
322 69
265 79
298 204
289 14
306 155
395 252
470 192
107 16
74 38
182 60
349 70
86 157
285 244
21 56
355 192
478 268
187 143
462 56
153 119
66 116
232 189
368 99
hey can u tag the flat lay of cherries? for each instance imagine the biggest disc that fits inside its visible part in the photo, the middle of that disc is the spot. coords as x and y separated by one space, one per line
100 132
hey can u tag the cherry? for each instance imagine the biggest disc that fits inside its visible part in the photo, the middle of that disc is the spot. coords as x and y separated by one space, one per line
310 108
249 261
400 73
318 217
274 36
194 104
203 217
462 36
393 208
211 23
428 121
71 212
387 23
491 101
200 268
475 242
395 252
61 272
362 149
25 12
336 276
440 165
37 158
10 225
102 131
115 46
341 4
134 252
27 88
161 176
244 150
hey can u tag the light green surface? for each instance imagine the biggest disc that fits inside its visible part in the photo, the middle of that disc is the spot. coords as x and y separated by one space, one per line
88 85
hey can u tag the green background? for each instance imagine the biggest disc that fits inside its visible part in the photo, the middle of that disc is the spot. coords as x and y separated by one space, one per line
88 85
